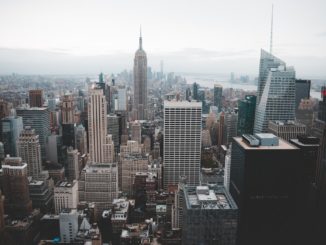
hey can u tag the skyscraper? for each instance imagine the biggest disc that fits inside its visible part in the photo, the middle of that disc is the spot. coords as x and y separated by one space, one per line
276 92
36 98
322 105
140 82
10 130
246 115
29 149
72 164
15 187
218 96
81 139
265 182
302 91
97 124
67 109
136 131
182 141
37 118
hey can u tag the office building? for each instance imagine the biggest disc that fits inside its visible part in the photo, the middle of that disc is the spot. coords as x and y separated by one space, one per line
140 82
230 126
68 220
4 109
122 98
136 131
302 91
56 151
322 105
246 115
287 129
29 149
195 88
11 127
218 96
37 118
72 171
130 165
65 195
36 98
81 139
97 124
265 184
67 109
109 150
276 100
99 184
227 169
182 142
113 128
15 187
41 195
2 212
210 216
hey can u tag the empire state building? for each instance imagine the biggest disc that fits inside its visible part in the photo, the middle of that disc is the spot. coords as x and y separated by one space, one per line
140 83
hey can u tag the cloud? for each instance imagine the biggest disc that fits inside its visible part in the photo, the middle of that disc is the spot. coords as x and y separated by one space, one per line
321 34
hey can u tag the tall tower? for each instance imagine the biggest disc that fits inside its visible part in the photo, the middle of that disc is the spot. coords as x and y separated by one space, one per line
140 82
67 109
182 142
29 149
276 92
15 187
218 96
97 123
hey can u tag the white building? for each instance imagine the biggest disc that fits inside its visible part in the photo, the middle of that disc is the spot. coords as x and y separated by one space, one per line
182 142
65 196
68 220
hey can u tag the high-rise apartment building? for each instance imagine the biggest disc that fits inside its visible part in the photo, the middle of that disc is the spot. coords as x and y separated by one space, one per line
15 187
246 115
65 195
182 142
218 96
265 183
36 98
10 129
37 118
97 124
276 92
140 82
29 149
302 91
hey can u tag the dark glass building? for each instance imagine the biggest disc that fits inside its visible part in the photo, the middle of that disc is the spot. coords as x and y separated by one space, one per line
218 96
246 115
302 91
264 184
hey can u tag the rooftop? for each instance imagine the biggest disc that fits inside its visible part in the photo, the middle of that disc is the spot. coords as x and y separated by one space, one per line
208 197
182 104
282 145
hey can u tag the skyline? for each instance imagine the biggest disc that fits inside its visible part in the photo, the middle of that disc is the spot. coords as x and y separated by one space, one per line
102 36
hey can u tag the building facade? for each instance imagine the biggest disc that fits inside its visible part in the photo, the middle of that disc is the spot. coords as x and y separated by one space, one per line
182 141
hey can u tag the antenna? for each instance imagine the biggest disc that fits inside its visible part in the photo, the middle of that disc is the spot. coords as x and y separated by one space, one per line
271 41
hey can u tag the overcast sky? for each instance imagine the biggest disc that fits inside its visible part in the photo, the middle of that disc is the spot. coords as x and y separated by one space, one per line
207 36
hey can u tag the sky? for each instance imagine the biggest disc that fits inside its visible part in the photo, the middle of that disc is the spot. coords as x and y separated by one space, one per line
207 36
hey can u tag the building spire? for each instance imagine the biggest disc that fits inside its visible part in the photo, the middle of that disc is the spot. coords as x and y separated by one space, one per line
271 41
140 40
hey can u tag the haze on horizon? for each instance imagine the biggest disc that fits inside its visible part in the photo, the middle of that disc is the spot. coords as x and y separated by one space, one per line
78 37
